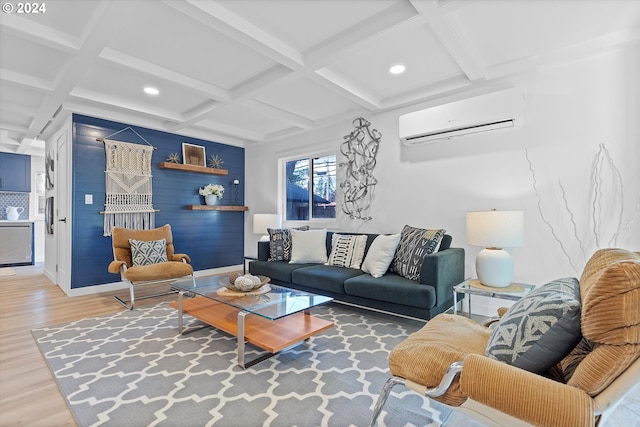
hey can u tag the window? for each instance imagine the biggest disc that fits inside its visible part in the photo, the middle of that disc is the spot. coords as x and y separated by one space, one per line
310 188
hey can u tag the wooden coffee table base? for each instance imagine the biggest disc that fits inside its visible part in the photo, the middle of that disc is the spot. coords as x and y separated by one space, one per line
270 335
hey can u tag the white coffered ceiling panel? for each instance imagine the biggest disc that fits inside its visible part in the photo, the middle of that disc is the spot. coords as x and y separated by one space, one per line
15 120
68 17
252 124
106 83
426 60
41 62
528 29
254 71
19 98
305 24
306 98
183 45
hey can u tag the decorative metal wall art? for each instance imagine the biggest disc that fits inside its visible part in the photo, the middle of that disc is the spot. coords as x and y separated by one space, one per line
360 149
215 162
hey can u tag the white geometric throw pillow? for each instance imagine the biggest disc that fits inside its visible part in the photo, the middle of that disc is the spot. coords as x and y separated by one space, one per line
347 250
146 253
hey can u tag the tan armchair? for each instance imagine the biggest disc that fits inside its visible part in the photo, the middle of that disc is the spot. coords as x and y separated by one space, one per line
446 359
176 266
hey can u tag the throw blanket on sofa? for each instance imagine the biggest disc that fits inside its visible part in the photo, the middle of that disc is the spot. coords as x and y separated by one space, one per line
128 186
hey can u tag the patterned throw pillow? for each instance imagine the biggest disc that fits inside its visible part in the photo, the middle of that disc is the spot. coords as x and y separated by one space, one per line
146 253
414 244
347 251
540 329
280 243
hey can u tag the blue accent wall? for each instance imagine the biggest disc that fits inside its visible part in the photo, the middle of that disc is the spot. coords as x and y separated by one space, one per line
211 238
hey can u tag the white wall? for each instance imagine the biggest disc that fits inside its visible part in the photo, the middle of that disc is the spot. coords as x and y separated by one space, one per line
37 166
569 111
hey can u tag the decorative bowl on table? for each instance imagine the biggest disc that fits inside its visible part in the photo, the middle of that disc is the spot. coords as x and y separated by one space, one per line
243 283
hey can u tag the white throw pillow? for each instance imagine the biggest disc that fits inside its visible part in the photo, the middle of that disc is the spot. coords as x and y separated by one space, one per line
347 250
308 246
380 254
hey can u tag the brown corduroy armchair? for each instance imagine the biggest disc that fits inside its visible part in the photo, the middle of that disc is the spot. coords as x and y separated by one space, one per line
176 265
446 359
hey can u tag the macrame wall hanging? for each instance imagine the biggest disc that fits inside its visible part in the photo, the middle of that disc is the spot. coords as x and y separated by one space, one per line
129 201
360 149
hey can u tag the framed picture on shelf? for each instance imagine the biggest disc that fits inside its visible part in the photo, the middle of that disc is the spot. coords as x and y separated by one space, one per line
193 155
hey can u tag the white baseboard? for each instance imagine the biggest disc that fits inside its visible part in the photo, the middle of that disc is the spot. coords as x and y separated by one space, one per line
49 275
116 286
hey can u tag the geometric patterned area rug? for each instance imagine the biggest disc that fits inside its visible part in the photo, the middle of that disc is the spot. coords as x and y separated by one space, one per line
133 369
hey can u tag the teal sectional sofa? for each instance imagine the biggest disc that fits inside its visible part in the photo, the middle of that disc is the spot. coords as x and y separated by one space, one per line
423 299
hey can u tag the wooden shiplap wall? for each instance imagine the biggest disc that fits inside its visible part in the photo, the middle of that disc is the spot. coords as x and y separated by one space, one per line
211 238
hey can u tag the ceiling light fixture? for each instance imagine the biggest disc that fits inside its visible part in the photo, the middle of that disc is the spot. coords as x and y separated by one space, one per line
151 90
397 69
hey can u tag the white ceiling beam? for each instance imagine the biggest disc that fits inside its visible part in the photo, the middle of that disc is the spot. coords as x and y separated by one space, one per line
21 79
279 114
133 63
449 33
212 135
440 19
18 109
342 44
425 93
109 15
195 113
115 113
13 127
113 101
231 25
337 83
255 85
227 129
284 133
35 32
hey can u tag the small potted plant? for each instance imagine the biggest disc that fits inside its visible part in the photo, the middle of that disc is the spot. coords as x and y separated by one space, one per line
211 193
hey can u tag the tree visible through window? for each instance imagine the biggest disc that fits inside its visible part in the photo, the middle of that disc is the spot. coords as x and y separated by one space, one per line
311 188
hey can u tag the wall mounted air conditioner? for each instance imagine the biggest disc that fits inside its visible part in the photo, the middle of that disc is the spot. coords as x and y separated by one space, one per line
498 110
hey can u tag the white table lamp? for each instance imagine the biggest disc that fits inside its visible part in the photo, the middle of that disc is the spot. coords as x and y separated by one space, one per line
495 230
262 222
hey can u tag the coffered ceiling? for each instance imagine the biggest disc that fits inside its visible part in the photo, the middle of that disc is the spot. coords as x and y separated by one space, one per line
251 71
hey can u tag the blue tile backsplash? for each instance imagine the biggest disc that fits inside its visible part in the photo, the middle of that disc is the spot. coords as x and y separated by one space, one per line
8 198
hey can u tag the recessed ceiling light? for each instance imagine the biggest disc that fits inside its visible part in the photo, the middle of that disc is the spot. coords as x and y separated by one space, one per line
151 90
397 69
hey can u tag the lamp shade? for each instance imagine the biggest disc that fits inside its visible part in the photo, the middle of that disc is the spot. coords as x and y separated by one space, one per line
495 229
261 222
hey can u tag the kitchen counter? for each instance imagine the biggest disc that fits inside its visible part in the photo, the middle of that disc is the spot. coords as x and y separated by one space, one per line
20 221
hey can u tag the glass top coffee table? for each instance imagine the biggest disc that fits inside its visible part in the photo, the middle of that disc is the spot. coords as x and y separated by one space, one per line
274 320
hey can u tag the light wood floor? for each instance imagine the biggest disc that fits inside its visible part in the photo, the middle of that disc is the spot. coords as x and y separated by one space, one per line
29 395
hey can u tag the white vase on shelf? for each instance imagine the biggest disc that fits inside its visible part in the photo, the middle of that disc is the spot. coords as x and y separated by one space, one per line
211 199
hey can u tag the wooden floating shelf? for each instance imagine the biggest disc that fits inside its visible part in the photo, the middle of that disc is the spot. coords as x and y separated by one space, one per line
216 208
193 168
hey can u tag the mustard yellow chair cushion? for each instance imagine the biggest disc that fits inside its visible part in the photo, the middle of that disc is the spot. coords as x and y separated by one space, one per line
426 354
163 270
